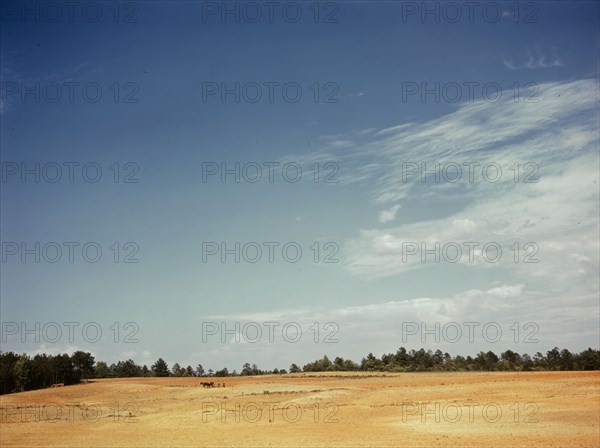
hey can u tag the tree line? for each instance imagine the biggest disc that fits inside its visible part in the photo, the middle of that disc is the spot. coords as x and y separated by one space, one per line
21 372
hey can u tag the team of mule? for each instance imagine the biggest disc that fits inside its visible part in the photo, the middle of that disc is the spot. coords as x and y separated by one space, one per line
212 384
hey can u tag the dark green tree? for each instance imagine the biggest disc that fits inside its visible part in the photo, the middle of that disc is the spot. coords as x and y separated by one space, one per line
222 372
177 370
7 377
21 373
246 370
160 368
128 369
102 370
83 363
553 359
63 370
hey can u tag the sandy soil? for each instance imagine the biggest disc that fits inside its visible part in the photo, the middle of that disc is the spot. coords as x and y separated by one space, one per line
541 409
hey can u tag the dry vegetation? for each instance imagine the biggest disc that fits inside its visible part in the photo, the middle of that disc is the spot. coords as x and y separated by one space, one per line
555 409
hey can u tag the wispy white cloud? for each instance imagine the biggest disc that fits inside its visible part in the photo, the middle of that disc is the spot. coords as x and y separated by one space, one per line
558 134
339 143
558 214
354 95
389 214
535 61
380 326
13 72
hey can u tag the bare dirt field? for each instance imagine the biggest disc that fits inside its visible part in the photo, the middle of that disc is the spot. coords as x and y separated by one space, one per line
533 409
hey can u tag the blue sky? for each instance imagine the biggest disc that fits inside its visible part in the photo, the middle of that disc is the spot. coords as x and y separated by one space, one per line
369 57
